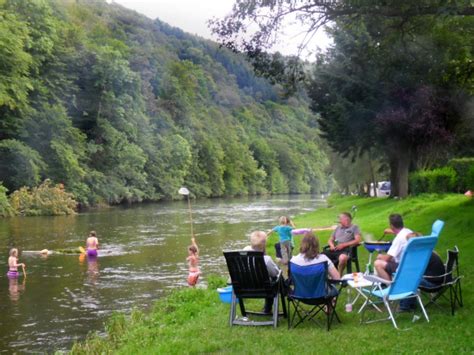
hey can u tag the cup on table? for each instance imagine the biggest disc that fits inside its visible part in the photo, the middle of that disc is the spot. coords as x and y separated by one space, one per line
355 275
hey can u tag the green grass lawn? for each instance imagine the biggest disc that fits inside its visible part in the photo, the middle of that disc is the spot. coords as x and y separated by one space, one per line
195 321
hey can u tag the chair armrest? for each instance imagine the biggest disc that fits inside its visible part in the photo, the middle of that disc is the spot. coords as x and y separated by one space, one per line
437 276
338 281
277 279
377 279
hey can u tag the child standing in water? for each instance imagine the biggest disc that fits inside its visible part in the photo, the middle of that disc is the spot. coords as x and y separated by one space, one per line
13 264
286 239
193 263
92 244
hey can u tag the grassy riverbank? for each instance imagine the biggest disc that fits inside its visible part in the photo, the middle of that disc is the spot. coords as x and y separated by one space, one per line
194 320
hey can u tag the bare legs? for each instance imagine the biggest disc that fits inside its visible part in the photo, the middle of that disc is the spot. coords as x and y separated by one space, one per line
342 263
380 266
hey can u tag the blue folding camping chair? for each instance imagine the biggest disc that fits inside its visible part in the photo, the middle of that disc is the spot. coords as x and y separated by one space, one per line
437 228
407 279
311 293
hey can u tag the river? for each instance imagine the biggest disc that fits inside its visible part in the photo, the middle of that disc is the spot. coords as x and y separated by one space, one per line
142 257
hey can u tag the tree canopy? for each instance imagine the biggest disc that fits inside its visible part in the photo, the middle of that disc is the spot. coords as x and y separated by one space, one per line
398 79
121 108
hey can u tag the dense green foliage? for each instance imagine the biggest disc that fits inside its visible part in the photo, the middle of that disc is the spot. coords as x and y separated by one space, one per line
433 181
458 176
118 107
464 168
46 199
396 82
5 208
396 91
194 321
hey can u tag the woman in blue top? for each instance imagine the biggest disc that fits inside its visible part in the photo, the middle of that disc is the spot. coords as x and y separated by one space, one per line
284 233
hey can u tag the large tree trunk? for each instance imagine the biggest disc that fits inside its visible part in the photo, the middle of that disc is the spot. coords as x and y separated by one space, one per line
399 169
402 175
393 177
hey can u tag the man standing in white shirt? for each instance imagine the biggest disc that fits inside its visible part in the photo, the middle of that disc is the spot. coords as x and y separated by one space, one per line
387 264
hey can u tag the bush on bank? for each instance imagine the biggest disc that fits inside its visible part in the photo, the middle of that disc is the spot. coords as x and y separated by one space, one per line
5 208
457 176
46 199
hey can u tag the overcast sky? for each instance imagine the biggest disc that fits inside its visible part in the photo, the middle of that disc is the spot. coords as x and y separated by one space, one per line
192 15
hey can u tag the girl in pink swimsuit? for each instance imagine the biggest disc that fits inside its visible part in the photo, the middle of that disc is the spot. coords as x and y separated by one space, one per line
92 244
193 262
13 264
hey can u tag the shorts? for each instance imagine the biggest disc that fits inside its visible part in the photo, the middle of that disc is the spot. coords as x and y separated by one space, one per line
13 274
286 251
193 277
333 255
92 252
391 267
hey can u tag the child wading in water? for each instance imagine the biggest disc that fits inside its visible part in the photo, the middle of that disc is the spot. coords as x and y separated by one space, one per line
92 244
286 239
13 264
193 263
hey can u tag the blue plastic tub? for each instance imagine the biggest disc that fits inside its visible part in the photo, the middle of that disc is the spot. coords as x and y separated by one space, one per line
225 294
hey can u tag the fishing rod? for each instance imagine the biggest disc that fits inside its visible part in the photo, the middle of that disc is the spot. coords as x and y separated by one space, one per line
185 192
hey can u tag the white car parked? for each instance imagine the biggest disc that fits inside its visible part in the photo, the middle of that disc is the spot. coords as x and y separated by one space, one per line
383 189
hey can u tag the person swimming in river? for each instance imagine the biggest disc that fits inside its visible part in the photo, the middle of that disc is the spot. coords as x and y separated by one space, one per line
13 264
92 244
193 263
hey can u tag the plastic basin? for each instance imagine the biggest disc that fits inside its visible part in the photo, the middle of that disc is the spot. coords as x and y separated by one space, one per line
225 294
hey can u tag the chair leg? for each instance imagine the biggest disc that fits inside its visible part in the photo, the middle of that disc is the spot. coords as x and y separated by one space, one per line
452 299
242 307
283 305
332 312
275 310
291 320
289 314
459 293
334 309
304 314
422 307
232 310
362 315
328 315
387 305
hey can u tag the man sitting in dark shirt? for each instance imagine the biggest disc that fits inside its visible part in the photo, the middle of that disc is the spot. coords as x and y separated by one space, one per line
435 268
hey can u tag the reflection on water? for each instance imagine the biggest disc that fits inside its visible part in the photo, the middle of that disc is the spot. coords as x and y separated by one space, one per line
14 288
142 256
92 270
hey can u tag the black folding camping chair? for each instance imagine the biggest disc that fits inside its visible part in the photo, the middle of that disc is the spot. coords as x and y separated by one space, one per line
250 279
451 283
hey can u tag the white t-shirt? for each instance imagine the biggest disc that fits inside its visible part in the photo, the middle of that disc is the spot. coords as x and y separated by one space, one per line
272 268
302 261
399 244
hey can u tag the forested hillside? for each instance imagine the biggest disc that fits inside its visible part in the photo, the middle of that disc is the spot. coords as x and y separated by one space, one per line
121 108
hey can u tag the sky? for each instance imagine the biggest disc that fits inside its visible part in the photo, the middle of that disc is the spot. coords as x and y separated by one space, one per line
192 16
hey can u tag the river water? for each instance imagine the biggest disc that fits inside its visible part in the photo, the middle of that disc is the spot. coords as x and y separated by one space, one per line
142 257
